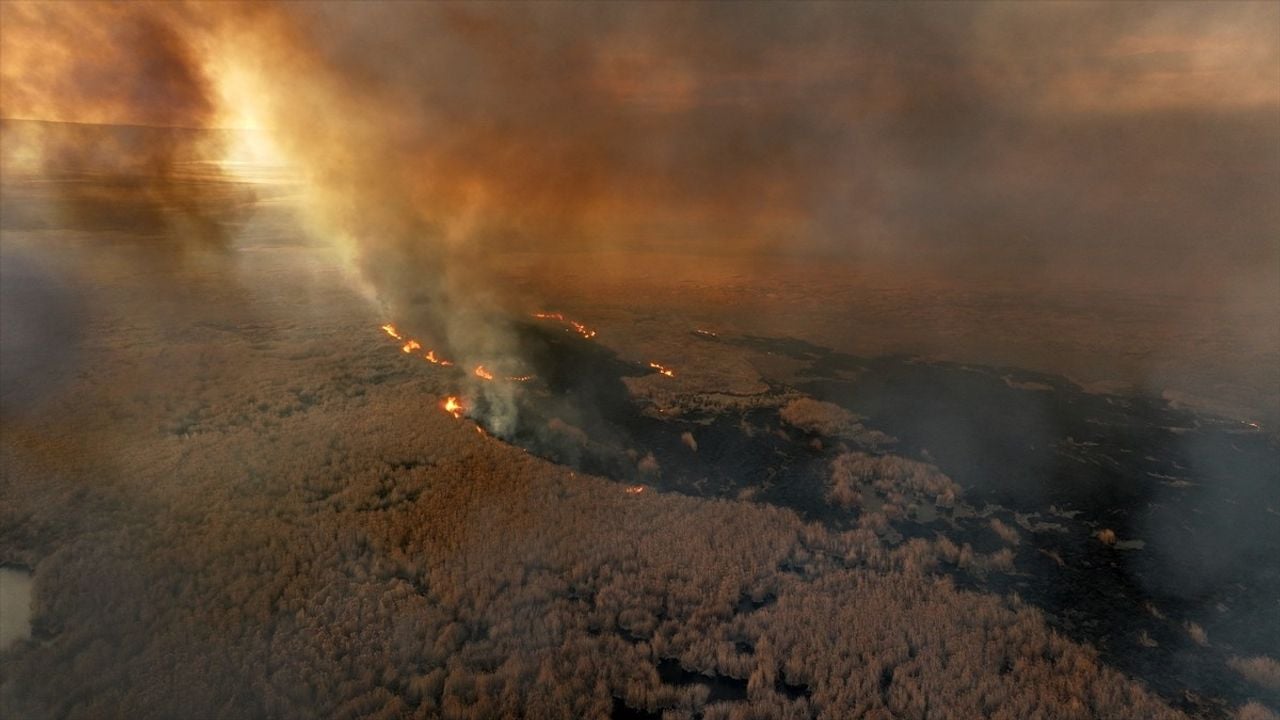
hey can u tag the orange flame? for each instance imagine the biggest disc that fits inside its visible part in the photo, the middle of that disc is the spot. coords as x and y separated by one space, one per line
432 358
663 369
453 406
634 489
576 326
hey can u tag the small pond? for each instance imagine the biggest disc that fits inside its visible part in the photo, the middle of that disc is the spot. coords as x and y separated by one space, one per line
15 605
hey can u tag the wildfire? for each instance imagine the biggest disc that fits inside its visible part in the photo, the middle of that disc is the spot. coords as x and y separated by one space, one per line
430 357
453 406
574 325
662 369
410 345
634 489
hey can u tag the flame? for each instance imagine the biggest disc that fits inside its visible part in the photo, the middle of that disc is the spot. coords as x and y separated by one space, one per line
432 358
663 369
634 489
574 325
453 406
410 345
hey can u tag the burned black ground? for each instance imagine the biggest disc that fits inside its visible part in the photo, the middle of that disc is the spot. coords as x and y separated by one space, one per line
1034 450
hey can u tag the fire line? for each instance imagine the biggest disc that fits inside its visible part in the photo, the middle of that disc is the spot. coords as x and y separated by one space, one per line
662 369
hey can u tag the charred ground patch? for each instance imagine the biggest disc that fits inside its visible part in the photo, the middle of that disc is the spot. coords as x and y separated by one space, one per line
1059 463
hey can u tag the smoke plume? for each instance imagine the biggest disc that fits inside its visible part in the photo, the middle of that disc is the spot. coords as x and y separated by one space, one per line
979 140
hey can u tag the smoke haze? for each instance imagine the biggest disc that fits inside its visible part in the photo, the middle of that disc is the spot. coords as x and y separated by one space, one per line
1133 146
981 139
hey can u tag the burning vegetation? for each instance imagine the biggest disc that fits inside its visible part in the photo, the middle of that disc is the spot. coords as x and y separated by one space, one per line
411 345
430 356
662 369
453 406
570 325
